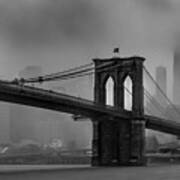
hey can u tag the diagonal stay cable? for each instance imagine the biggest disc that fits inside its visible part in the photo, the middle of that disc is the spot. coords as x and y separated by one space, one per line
159 105
66 73
146 96
97 69
62 73
162 92
155 103
59 76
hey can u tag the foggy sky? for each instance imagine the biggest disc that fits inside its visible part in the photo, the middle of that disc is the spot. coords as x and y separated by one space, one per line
58 34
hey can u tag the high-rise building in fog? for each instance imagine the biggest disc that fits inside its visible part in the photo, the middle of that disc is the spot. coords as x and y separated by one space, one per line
30 72
44 125
69 131
161 79
158 103
176 87
22 118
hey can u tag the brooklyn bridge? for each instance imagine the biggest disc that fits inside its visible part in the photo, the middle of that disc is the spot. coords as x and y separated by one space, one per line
118 130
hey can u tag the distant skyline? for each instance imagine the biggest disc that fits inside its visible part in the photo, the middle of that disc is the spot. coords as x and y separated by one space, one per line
42 125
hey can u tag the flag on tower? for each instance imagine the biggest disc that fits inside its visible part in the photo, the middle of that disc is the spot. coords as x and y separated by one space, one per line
116 50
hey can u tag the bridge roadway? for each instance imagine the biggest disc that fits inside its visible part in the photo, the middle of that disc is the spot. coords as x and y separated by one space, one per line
48 99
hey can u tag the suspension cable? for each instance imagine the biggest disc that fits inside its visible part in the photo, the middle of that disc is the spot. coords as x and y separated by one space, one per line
62 75
162 92
159 105
89 72
155 103
71 77
97 69
149 97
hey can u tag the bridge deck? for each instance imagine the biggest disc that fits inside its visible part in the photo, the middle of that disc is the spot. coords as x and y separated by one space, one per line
163 125
37 97
48 99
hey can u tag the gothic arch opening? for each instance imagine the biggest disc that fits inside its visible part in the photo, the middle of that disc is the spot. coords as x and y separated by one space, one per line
109 92
128 93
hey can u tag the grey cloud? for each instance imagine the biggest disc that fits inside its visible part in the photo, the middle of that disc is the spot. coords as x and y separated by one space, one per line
51 21
159 5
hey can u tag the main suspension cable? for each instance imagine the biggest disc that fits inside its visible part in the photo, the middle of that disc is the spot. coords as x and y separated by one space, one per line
147 94
162 92
155 103
62 75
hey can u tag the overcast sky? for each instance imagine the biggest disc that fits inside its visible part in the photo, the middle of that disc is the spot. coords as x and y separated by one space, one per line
58 34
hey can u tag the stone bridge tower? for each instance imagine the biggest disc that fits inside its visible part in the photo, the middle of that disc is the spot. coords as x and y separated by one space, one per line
117 141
